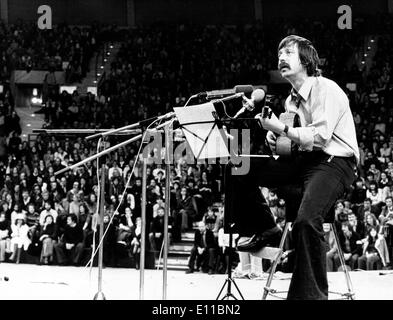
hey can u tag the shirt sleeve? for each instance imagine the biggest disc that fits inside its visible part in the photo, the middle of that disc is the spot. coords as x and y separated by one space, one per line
325 112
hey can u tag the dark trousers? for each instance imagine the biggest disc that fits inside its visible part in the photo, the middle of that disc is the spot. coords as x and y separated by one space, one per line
208 257
64 256
322 182
370 263
352 262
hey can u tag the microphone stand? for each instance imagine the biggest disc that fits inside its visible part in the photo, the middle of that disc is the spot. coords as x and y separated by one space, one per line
166 125
168 161
84 131
131 126
143 232
100 295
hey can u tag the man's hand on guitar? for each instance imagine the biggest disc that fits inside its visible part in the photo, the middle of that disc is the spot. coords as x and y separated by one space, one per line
271 140
270 122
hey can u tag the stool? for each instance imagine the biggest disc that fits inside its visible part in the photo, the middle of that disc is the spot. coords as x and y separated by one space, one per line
274 254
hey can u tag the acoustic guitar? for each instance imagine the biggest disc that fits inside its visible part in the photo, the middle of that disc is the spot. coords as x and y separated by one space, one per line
284 146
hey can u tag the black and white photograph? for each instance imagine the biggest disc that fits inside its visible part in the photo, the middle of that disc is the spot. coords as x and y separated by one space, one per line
198 151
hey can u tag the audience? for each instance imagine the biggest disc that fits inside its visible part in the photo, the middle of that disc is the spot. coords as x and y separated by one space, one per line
375 253
348 241
156 69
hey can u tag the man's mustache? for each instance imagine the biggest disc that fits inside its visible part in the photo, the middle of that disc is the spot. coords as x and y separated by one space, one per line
284 64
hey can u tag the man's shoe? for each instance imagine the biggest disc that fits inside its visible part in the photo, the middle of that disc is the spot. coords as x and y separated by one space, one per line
258 241
211 271
189 271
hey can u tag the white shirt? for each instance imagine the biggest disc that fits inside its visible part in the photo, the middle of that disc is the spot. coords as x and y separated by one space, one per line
326 120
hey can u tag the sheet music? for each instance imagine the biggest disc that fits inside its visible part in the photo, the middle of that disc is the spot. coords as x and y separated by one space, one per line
197 133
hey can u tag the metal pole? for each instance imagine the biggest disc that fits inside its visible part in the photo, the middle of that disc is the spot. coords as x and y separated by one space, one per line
97 155
168 161
109 150
143 231
350 294
100 295
98 132
131 126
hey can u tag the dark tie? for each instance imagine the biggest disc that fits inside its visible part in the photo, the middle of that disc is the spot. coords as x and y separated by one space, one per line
296 98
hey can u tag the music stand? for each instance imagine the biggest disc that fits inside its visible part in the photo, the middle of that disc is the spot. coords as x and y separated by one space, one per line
203 131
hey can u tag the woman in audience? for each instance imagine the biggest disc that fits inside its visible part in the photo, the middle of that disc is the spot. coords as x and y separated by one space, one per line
19 238
371 221
48 237
374 194
84 220
17 212
375 252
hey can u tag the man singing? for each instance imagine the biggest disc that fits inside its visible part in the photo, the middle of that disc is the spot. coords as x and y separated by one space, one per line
324 168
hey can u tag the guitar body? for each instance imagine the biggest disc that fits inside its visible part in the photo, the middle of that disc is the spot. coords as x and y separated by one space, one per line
284 145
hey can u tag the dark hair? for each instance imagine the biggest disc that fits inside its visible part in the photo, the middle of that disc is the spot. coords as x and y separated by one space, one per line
307 53
17 219
338 202
48 202
84 205
73 217
369 237
373 182
372 215
49 215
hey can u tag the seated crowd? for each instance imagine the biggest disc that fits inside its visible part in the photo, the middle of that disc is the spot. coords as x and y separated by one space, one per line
23 46
56 219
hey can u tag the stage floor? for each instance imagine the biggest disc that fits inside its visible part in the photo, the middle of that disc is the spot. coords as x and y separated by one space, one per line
29 282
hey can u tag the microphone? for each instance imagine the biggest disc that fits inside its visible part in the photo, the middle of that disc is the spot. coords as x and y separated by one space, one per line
217 94
257 97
